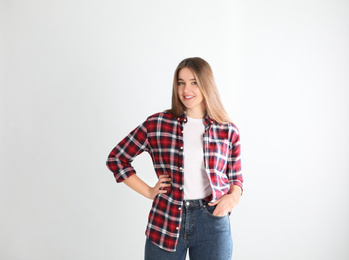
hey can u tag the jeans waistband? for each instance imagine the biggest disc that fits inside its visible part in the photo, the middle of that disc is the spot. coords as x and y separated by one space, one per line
194 203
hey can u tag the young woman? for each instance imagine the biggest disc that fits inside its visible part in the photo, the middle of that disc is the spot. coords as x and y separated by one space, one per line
195 150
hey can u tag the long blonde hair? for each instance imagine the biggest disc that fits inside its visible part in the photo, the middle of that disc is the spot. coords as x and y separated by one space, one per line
205 80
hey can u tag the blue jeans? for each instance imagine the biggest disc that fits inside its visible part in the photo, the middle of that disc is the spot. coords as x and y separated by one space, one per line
206 236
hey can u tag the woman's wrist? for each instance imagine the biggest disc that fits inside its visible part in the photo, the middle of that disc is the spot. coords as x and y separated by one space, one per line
235 192
138 185
150 194
235 189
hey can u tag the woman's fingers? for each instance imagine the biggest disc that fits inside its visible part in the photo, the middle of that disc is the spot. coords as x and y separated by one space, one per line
164 183
224 204
167 181
163 178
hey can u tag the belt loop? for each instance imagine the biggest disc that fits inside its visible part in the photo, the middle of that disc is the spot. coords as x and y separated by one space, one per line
201 203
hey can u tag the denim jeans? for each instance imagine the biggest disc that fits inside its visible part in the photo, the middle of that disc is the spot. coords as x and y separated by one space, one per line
207 237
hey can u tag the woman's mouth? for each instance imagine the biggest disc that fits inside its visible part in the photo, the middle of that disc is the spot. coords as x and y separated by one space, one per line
188 97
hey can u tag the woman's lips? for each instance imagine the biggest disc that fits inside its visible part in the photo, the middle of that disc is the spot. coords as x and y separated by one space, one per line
188 97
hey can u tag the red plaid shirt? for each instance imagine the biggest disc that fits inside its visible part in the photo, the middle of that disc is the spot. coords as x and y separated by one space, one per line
161 135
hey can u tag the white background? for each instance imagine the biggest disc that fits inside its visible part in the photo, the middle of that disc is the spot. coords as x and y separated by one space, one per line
77 76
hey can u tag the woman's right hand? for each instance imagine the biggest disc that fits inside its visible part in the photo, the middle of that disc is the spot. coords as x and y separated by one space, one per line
162 186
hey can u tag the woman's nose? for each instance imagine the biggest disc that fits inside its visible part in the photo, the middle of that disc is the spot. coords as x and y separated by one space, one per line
186 87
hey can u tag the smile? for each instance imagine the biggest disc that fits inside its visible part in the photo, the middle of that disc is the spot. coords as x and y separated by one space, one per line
188 97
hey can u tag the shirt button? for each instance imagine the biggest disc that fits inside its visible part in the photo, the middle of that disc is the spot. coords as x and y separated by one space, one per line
188 203
177 228
181 147
179 208
180 188
181 168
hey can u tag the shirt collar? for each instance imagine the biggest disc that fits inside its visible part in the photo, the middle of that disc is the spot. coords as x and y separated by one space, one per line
207 119
183 117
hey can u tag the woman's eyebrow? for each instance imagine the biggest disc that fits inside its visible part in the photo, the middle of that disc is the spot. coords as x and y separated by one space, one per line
189 79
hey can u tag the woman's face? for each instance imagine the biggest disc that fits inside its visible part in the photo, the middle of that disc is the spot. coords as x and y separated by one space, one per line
189 93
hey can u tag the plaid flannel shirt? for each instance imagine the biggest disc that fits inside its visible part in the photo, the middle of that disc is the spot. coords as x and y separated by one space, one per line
161 135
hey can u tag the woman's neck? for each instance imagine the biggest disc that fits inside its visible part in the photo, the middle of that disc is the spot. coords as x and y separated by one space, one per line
196 113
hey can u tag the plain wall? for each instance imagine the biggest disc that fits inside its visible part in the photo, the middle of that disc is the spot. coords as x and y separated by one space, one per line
77 76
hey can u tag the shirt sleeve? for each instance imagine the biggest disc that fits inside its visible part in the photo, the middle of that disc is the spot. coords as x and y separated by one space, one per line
234 163
120 158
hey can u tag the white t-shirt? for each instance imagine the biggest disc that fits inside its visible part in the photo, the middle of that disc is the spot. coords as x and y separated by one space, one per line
196 183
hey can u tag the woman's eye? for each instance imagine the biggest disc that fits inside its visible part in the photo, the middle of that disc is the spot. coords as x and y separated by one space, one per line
195 83
180 83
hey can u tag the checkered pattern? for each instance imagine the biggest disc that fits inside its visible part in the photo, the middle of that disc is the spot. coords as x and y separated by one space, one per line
161 135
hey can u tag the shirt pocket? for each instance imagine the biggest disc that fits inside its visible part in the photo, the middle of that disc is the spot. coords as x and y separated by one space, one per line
219 153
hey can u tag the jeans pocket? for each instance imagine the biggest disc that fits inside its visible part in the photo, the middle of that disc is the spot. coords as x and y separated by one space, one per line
209 210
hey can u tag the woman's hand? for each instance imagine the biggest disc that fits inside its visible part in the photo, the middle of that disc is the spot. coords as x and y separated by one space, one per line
161 186
138 185
227 202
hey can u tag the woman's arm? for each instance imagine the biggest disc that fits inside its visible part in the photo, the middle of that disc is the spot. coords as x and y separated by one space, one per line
228 201
138 185
120 158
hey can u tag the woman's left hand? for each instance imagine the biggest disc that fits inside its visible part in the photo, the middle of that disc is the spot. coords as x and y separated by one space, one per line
227 202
